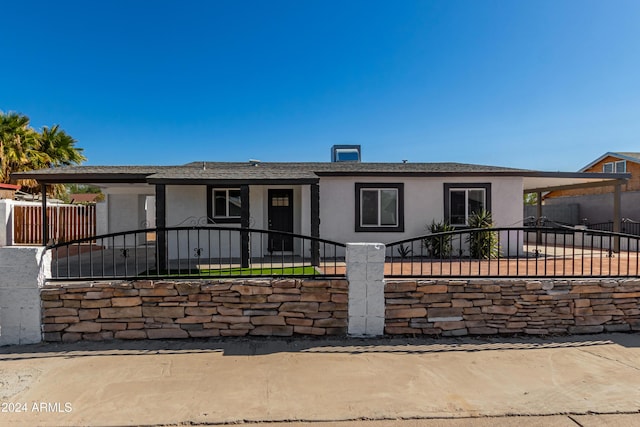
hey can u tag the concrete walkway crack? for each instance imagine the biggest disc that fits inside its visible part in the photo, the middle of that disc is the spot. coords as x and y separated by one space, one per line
610 359
575 421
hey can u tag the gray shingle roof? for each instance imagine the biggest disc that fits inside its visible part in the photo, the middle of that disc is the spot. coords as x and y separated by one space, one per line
630 154
227 173
245 171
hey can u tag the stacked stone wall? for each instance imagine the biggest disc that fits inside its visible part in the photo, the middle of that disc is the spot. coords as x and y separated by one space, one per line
537 307
191 309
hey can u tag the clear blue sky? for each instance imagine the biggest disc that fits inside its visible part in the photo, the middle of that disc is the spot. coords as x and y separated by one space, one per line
548 85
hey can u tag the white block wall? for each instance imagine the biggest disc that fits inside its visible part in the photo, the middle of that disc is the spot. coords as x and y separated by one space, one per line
365 273
22 273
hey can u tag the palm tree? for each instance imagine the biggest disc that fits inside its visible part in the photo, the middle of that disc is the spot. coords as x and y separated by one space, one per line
59 147
15 138
22 148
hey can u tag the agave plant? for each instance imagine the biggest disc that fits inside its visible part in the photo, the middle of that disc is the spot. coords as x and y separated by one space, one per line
483 244
404 251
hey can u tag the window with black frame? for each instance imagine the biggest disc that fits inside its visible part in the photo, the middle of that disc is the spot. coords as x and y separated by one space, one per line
224 205
379 207
463 200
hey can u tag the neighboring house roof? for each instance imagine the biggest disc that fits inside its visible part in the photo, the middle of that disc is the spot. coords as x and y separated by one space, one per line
9 187
84 197
299 173
632 157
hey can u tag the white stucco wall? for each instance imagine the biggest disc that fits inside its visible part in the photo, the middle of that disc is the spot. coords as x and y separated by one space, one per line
423 202
122 210
187 205
102 217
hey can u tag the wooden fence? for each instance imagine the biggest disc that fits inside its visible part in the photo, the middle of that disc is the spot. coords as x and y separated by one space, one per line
65 223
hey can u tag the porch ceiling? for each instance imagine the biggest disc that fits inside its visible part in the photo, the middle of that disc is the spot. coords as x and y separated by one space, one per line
553 181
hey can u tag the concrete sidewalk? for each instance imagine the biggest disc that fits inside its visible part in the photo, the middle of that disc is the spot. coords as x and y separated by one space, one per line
560 381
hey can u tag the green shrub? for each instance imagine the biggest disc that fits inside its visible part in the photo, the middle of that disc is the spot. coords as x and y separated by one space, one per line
483 244
439 246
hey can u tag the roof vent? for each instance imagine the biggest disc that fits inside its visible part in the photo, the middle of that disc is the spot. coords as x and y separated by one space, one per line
254 162
345 153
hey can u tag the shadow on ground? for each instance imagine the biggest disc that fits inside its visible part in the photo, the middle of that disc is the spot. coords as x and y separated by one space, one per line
264 346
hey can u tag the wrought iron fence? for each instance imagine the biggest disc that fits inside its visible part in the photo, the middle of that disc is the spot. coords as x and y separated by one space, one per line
515 252
627 226
196 251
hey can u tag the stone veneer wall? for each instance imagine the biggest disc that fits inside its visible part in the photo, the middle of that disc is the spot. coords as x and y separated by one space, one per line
539 307
184 309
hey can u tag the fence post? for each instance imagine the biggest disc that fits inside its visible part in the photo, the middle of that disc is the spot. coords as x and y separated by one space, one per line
365 273
23 271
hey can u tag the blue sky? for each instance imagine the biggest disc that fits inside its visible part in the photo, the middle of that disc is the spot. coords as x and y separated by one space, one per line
548 85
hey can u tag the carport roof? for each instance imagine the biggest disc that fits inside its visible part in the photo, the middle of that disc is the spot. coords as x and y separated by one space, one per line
229 173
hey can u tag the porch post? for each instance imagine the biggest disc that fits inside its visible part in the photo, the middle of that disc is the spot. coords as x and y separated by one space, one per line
538 215
315 224
244 223
617 216
161 223
45 225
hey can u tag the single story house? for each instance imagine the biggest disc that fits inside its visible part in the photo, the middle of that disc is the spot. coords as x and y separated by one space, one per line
339 201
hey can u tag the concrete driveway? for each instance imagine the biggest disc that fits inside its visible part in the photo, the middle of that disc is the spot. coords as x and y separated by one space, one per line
392 382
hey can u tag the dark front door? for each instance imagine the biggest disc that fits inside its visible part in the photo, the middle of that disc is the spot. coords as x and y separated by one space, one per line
280 219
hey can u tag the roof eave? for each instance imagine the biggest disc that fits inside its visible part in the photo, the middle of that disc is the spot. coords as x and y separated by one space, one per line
90 178
234 182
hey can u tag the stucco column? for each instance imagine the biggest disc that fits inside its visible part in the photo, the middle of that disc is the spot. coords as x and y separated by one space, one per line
365 273
23 271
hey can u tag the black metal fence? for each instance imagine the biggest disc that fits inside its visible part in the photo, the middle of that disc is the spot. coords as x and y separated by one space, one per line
533 252
627 226
202 251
